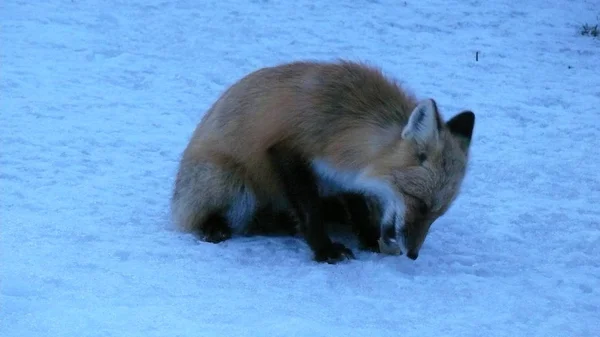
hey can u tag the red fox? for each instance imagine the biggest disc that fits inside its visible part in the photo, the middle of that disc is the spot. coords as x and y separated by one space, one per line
283 138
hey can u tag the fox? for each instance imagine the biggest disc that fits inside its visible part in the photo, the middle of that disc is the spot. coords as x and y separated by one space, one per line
284 139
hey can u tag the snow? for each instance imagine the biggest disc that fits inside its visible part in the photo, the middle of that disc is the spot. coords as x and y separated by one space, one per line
98 99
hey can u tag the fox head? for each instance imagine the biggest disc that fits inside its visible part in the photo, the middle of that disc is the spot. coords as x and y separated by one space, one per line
425 169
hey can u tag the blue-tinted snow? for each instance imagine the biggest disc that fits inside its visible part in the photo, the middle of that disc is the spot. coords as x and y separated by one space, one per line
98 99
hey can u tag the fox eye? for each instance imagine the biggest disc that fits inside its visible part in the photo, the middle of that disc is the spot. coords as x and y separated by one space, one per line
421 157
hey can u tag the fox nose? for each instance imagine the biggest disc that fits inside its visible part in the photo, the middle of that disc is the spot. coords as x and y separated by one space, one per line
412 255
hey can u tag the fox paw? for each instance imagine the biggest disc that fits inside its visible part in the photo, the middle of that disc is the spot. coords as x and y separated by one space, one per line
215 230
216 236
334 253
389 247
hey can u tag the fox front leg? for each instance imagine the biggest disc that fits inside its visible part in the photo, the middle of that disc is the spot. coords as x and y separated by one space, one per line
364 215
301 190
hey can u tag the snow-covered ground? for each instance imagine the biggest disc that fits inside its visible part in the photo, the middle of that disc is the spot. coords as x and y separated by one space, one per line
98 99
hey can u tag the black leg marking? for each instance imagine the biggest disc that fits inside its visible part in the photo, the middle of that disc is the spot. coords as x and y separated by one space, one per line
364 218
214 229
335 210
301 189
267 221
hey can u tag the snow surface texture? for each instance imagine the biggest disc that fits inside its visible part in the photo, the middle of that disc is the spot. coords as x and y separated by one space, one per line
99 99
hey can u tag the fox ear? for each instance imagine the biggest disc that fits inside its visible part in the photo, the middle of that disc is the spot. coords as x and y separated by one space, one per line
424 123
462 126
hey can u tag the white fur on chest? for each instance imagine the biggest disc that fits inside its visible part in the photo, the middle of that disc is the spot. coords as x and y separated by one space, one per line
332 181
